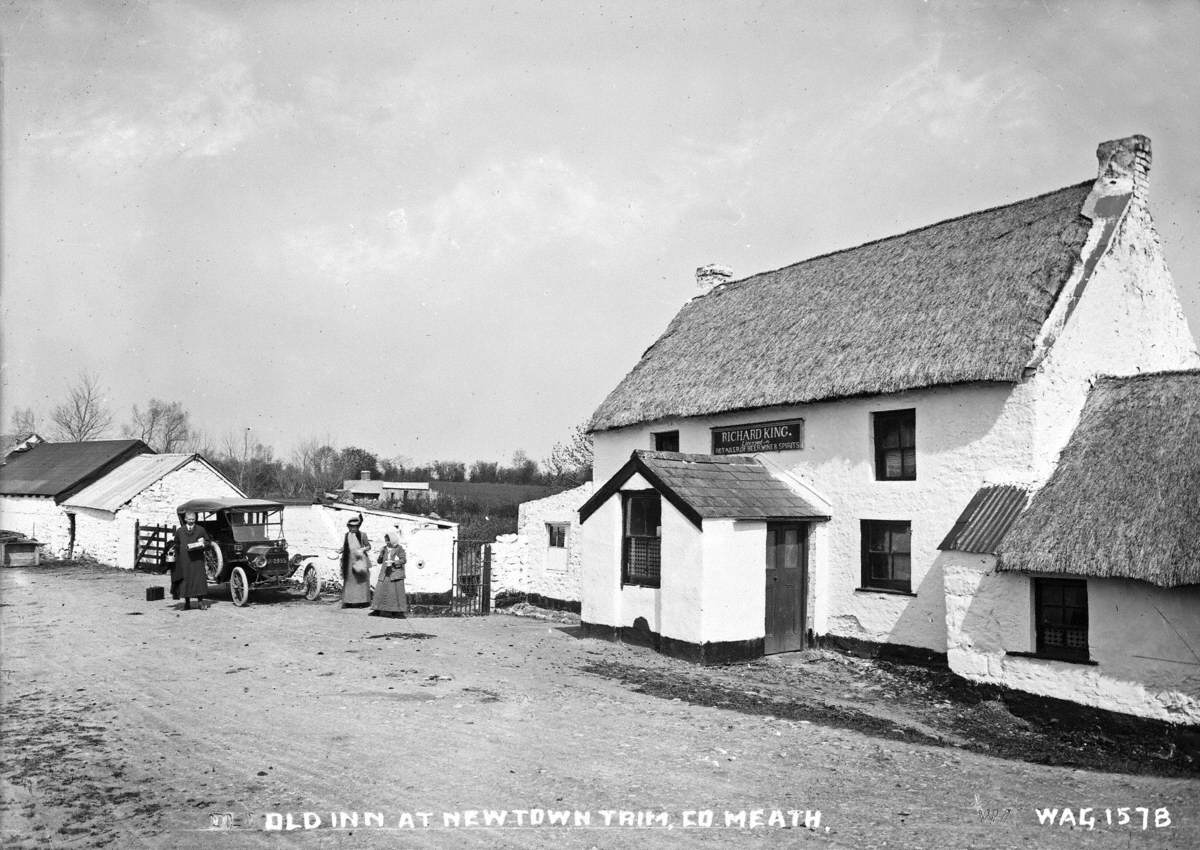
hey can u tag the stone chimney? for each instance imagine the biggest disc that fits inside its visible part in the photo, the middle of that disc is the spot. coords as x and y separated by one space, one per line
1124 174
711 275
364 475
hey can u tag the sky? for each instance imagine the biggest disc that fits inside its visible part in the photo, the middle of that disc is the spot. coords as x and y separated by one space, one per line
441 230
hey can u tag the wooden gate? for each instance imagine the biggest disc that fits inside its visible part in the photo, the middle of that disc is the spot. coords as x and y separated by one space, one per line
472 592
150 545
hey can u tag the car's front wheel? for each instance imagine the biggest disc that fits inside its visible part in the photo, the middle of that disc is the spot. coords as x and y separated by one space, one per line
239 586
312 584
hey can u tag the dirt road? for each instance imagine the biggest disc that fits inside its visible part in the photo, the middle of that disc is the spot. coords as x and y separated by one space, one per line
129 723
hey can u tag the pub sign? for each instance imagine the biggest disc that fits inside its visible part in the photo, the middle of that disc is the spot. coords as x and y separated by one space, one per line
782 436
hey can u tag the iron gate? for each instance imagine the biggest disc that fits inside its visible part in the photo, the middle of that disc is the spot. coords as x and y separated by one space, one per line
472 592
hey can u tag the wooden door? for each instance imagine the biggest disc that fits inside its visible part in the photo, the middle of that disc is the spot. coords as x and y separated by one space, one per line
787 569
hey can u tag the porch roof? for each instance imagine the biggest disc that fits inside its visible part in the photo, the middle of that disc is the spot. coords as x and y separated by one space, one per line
710 487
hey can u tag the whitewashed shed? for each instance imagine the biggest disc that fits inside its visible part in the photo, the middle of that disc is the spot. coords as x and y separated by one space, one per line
146 490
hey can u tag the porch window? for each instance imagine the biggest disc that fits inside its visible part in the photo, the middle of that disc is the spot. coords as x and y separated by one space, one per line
640 556
895 445
666 441
557 532
887 555
1061 612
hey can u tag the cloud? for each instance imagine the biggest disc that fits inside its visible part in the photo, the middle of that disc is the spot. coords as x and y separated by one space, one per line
499 212
199 101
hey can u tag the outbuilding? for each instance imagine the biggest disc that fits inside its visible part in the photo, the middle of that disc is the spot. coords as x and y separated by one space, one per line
36 482
144 490
1091 592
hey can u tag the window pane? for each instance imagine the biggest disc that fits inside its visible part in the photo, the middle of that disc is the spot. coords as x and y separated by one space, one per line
893 463
902 540
880 567
908 464
901 566
877 537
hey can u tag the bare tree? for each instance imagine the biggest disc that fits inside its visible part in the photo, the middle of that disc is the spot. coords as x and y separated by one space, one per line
84 415
571 461
24 421
163 426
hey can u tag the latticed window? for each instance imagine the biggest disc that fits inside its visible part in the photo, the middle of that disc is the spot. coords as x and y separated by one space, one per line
887 555
640 556
1061 612
896 445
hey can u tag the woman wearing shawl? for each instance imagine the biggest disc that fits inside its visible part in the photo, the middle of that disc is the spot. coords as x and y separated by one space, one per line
390 599
356 566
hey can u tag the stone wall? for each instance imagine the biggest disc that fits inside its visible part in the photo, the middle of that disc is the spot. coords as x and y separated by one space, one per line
40 518
525 563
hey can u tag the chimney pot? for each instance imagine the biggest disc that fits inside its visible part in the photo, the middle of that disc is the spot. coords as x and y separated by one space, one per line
1124 174
713 274
364 475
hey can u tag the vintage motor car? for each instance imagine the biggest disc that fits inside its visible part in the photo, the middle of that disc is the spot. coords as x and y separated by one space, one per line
250 550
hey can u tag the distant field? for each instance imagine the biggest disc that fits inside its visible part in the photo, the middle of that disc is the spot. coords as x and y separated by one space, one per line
490 495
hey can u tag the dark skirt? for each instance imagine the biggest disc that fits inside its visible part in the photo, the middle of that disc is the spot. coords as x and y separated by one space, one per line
188 578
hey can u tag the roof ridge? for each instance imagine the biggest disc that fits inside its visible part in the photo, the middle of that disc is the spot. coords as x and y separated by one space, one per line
1165 373
733 283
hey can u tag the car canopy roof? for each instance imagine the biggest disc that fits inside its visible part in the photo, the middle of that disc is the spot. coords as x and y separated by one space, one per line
199 505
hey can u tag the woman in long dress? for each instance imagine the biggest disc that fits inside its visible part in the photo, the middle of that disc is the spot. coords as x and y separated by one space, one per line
188 578
356 566
390 598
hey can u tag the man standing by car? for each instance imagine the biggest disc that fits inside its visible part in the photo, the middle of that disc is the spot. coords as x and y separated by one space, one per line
188 578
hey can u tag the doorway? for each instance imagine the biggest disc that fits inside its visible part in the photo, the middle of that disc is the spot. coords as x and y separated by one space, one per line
787 586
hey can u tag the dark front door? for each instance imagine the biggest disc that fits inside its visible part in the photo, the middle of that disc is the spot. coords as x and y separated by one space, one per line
787 566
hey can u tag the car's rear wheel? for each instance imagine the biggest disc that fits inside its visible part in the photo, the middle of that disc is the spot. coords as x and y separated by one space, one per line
239 586
214 562
312 584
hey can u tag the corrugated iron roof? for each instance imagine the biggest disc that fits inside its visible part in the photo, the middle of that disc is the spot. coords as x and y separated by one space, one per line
126 481
63 469
711 487
987 518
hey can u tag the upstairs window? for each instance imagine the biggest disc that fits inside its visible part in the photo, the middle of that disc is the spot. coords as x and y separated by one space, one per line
895 445
666 441
640 555
557 532
886 555
1061 617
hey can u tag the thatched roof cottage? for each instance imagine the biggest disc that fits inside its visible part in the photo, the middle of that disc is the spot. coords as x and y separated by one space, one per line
1091 592
885 384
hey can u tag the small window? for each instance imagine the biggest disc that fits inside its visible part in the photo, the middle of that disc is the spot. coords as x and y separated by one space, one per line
1061 617
887 555
895 445
558 535
666 441
640 556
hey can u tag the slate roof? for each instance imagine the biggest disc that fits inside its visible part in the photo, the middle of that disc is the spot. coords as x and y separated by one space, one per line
710 487
986 519
115 489
958 301
1124 500
60 470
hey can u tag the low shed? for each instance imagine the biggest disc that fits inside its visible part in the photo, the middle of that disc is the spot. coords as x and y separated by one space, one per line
145 490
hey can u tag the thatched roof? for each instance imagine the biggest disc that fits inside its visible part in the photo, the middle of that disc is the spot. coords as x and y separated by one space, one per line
709 487
1124 501
958 301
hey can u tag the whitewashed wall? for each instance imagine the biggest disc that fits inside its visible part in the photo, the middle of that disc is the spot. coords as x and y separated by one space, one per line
1142 638
525 563
319 530
109 536
964 436
1128 320
37 517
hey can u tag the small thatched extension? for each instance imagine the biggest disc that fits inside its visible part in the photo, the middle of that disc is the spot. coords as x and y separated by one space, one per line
1124 501
958 301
